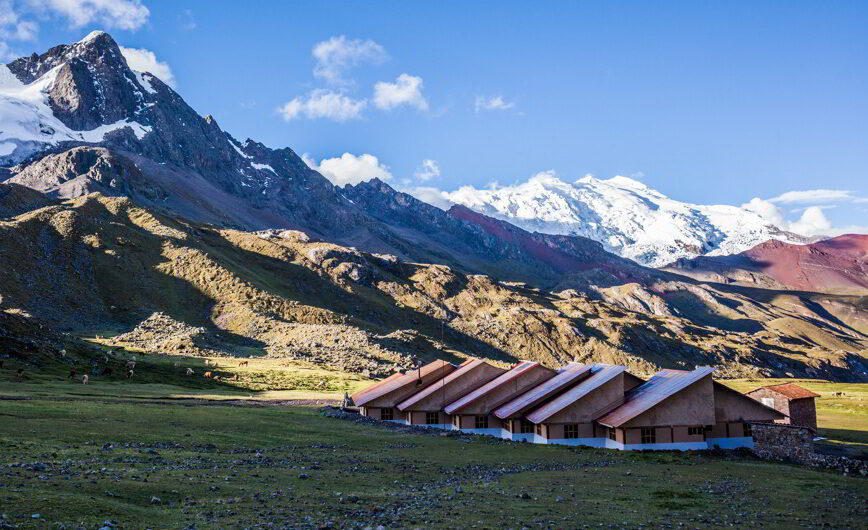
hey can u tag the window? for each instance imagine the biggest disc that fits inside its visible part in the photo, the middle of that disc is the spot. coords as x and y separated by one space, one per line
648 436
387 414
613 434
571 430
695 431
482 422
526 427
539 429
432 418
748 431
769 402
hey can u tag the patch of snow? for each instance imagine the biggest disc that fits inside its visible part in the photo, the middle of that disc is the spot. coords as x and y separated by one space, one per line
6 148
238 149
8 79
91 36
626 216
27 119
141 77
263 166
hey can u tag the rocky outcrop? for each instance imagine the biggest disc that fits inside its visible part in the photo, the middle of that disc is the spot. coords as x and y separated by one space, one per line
84 170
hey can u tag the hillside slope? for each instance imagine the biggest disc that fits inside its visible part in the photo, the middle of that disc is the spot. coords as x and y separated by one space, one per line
838 264
102 265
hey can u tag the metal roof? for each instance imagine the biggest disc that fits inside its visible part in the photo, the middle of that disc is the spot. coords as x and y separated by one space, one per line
398 380
600 374
521 368
570 374
789 390
467 366
664 384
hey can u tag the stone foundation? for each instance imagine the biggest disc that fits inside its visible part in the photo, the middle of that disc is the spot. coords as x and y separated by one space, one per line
792 443
777 441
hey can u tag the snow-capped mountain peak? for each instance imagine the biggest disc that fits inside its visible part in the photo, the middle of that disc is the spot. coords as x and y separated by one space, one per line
625 215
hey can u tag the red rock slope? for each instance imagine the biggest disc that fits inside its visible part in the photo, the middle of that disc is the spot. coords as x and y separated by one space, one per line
836 264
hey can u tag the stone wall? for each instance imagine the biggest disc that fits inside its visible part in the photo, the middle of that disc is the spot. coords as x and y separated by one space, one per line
792 443
783 442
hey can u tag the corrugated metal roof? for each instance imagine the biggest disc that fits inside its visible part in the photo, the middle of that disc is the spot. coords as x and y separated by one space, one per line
570 374
522 368
467 366
399 380
600 374
789 390
665 383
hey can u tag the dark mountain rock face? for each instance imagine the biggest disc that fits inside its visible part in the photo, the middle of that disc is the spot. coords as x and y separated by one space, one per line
186 165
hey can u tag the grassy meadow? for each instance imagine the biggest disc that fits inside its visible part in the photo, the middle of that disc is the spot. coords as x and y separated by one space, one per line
165 450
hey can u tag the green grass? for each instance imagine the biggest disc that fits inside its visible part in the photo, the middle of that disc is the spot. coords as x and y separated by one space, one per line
215 465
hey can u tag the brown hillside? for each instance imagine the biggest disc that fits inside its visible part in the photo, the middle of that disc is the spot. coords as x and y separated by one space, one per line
102 265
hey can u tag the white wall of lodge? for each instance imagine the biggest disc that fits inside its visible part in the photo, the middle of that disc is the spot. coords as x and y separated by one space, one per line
600 443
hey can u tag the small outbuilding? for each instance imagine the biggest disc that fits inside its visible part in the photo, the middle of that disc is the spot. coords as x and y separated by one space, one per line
797 403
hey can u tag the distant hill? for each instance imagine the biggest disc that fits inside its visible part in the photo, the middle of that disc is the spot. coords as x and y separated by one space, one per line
839 264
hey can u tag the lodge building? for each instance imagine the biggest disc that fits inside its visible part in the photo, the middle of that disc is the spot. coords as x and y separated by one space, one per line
597 405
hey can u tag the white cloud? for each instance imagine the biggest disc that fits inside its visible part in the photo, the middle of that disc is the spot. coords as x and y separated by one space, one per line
188 21
812 222
122 14
143 60
492 103
427 170
406 90
350 169
13 27
322 103
338 54
433 196
819 195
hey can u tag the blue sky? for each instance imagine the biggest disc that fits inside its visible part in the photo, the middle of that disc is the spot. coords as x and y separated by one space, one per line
706 102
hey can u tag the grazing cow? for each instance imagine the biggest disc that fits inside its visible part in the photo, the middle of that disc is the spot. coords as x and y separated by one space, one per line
71 375
209 375
130 374
189 371
84 379
243 363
